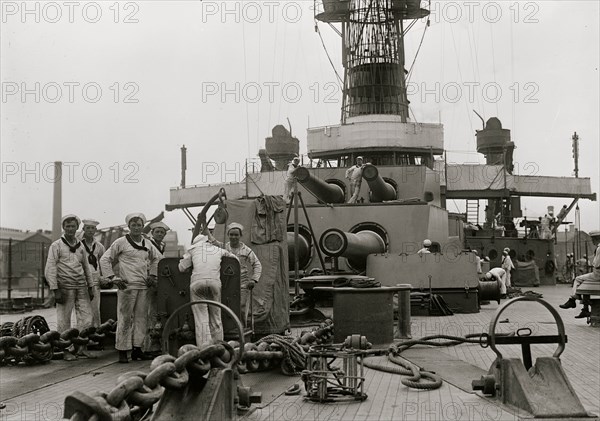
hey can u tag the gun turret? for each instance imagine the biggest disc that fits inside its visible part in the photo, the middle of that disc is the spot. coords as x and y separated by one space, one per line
325 192
380 189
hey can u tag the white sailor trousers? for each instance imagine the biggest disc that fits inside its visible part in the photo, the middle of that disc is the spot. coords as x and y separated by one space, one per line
79 300
96 306
207 319
132 318
590 277
354 190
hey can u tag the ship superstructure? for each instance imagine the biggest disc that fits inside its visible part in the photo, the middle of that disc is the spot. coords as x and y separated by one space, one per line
406 184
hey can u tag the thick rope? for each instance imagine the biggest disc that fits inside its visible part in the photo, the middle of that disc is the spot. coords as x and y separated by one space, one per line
406 368
293 354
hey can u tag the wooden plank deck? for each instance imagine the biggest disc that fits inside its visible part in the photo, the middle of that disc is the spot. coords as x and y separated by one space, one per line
37 392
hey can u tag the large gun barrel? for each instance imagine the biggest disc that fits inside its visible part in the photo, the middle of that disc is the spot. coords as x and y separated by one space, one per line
380 189
303 250
337 243
325 192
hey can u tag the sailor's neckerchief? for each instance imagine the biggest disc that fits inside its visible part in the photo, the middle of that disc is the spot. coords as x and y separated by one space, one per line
134 245
92 260
158 246
72 249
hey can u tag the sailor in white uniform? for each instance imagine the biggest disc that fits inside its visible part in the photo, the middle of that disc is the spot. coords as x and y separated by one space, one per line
138 264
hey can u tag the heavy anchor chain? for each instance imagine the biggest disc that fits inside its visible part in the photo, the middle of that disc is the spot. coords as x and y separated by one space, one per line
136 391
284 351
32 342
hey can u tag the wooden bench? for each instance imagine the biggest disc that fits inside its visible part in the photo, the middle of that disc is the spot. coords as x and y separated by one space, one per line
592 289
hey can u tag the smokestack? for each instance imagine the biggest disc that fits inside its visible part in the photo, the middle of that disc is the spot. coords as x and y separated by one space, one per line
57 201
183 165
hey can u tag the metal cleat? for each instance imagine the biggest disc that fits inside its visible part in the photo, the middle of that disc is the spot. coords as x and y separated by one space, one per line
245 397
541 389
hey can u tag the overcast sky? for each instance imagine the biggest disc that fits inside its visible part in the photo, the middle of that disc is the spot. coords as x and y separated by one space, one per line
113 89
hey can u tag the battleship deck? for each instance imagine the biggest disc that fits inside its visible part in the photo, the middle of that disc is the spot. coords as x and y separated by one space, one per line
37 392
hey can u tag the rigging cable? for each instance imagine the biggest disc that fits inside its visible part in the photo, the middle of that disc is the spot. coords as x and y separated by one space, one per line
246 79
420 43
273 68
282 71
327 53
493 60
475 70
460 74
418 50
512 71
257 146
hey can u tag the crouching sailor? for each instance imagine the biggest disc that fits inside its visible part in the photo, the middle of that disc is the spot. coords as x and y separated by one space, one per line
499 275
138 265
70 280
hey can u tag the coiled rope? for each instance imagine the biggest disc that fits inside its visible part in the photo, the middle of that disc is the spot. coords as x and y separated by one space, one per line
294 357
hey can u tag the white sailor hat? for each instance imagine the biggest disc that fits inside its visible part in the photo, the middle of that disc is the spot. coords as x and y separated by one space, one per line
135 215
90 222
70 216
199 238
594 233
159 225
359 157
234 225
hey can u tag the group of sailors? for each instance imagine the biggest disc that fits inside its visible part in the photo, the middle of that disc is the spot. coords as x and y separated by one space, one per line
500 274
76 269
574 268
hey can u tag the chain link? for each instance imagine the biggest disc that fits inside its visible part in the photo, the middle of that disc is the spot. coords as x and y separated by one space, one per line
31 340
137 391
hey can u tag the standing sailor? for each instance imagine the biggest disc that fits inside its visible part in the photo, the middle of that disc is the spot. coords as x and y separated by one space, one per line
159 232
68 274
205 261
354 175
507 265
152 343
249 263
138 265
94 251
289 178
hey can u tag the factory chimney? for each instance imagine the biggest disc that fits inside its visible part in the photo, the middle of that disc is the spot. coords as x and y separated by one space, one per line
57 201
